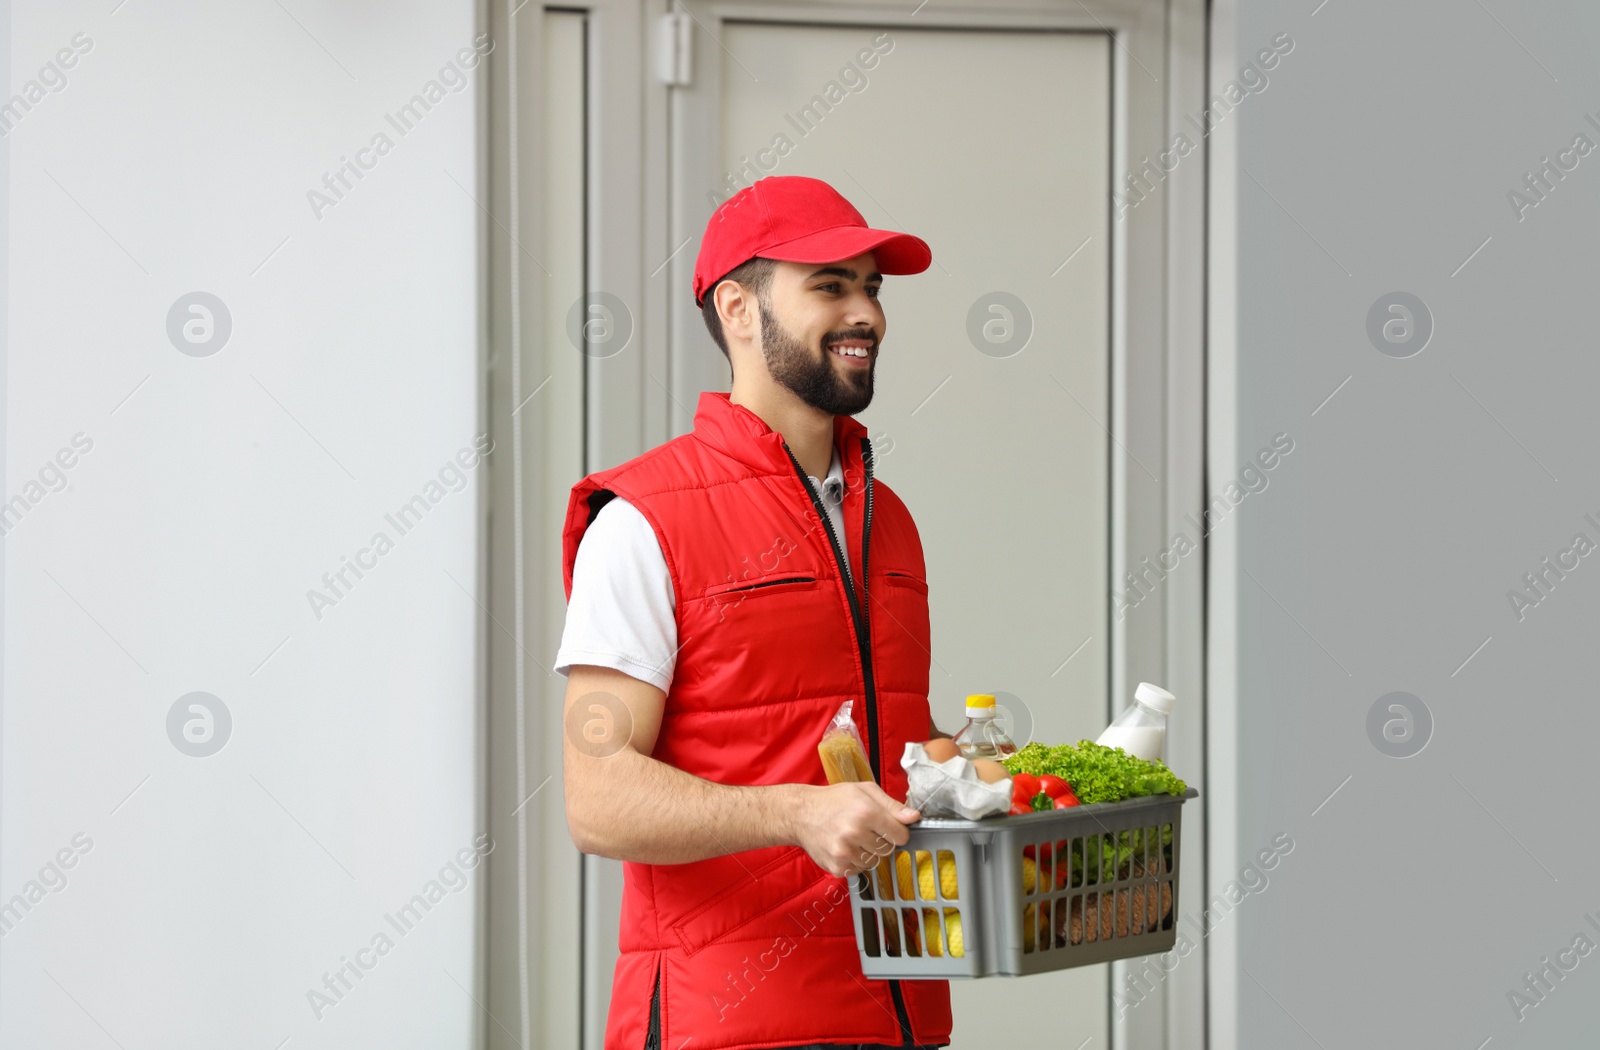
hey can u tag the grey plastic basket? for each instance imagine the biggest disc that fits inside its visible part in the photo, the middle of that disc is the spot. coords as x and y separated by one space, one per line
1005 929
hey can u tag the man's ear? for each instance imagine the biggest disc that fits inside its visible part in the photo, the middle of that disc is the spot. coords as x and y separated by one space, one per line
738 310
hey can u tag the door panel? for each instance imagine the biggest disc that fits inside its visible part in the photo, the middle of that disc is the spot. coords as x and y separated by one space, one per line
989 420
552 406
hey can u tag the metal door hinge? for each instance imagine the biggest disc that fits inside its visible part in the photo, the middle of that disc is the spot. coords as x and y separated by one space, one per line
673 49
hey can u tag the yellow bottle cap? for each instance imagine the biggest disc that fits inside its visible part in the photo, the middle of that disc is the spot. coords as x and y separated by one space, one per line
980 700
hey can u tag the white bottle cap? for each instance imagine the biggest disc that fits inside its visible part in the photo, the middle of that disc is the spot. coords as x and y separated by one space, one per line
1154 697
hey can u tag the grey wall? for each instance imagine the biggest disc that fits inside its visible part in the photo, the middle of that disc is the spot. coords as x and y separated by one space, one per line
1380 558
152 896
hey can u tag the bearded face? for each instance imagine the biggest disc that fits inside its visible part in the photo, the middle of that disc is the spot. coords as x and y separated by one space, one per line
819 374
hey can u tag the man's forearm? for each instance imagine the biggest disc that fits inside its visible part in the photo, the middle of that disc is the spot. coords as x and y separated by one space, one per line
654 813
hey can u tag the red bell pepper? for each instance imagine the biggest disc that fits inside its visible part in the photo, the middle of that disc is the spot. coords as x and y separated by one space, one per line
1054 786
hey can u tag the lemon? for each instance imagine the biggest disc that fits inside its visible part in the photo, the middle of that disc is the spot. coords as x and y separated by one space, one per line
953 938
947 875
1030 922
902 867
952 926
930 925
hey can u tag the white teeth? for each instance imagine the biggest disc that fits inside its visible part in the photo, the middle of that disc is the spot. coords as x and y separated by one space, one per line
851 351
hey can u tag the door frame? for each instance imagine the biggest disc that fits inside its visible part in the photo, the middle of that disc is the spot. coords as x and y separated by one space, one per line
640 246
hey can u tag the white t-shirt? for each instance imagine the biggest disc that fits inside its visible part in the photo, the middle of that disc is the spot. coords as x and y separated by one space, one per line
621 613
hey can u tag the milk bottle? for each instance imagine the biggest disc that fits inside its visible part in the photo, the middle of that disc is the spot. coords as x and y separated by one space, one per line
1141 729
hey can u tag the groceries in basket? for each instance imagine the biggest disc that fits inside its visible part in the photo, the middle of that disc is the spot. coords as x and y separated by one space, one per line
1021 876
982 736
1094 773
1085 889
844 760
948 778
1086 863
943 784
1141 729
1089 773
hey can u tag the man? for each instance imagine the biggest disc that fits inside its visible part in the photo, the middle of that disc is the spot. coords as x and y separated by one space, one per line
723 603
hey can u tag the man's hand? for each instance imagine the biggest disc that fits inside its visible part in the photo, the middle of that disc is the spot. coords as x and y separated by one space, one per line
848 828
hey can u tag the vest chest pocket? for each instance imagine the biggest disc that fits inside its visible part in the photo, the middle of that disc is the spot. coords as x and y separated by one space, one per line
894 578
724 596
759 640
744 586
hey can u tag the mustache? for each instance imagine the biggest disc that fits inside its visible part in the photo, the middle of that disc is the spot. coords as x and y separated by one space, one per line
853 334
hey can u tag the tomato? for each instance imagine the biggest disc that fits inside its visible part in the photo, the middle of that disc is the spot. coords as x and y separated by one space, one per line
1044 853
1053 786
1066 801
1024 784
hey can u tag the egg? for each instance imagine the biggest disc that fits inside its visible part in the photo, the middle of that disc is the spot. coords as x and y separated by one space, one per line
940 750
989 771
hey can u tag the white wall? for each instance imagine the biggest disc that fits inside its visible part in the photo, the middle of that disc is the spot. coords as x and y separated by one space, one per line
210 894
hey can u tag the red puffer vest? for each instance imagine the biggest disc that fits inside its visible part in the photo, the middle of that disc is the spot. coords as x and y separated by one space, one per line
758 948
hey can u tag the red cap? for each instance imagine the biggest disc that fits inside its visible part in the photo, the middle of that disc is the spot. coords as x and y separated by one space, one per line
793 218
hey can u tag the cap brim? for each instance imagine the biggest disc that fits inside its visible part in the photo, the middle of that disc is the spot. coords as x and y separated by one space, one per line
896 253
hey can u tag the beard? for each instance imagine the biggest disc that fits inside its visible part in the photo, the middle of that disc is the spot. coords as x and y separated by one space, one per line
814 378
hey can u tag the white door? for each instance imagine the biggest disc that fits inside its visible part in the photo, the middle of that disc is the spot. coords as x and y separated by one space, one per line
993 389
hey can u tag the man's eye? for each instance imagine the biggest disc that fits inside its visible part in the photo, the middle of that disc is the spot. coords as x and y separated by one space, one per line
833 286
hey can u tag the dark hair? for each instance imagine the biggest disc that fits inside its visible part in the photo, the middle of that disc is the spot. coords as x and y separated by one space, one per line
754 274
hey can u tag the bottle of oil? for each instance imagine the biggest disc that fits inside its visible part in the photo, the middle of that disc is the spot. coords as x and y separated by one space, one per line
982 736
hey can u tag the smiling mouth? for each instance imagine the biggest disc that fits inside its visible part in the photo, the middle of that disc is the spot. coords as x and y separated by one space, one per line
853 349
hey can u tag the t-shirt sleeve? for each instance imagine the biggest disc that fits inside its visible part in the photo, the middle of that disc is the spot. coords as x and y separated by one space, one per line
621 610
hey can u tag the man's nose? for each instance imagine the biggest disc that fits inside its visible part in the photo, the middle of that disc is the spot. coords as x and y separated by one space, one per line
861 314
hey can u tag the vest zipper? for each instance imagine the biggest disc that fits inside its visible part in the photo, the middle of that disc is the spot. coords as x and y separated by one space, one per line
866 553
857 615
861 621
652 1037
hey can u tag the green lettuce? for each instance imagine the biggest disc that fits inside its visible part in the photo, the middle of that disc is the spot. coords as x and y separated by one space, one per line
1096 773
